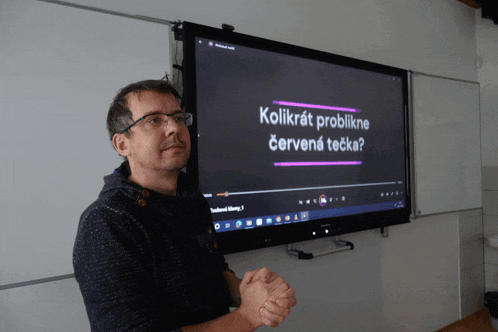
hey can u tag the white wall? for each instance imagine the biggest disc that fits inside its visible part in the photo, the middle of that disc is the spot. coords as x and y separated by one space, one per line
60 68
426 274
49 307
487 55
436 37
487 52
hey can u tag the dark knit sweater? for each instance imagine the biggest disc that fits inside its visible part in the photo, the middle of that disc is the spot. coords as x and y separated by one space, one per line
146 261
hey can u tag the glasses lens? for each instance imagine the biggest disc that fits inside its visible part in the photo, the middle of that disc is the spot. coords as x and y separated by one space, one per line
154 121
189 119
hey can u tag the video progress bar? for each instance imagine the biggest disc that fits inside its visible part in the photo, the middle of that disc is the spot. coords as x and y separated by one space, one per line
302 189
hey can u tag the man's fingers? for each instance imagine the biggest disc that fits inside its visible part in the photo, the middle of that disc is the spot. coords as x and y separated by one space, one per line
286 302
263 274
247 278
268 322
272 277
277 309
265 313
276 290
276 283
287 293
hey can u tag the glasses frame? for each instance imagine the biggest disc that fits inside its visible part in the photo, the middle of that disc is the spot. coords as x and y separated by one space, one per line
188 116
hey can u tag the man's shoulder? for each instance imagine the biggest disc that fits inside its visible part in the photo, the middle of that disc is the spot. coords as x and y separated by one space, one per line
109 217
110 205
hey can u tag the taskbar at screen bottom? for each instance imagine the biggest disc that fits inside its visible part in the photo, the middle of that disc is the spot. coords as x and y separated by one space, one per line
302 216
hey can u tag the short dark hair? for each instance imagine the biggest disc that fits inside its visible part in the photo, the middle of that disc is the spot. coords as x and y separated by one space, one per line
119 116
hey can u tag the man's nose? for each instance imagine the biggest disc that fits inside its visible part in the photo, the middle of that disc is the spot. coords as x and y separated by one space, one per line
172 127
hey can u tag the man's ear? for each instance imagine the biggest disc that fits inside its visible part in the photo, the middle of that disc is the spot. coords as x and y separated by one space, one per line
120 143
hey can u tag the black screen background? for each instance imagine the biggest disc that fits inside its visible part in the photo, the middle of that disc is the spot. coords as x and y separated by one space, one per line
233 146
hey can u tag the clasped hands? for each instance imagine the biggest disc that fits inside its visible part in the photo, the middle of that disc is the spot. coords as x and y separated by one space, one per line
266 298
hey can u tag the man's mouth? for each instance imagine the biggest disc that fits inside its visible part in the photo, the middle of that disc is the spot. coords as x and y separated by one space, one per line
174 146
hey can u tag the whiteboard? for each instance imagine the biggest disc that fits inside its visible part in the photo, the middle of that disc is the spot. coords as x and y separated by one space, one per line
447 144
60 69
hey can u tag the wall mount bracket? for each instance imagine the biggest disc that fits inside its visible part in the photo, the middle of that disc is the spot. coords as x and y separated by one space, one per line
341 245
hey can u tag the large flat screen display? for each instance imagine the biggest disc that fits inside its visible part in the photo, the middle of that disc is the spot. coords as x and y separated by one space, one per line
291 144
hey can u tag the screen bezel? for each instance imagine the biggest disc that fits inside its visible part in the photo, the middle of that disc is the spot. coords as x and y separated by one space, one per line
249 239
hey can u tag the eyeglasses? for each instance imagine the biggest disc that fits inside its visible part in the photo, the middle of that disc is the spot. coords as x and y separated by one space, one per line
156 120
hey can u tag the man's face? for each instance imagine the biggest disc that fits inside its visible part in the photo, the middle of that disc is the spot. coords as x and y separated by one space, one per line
166 148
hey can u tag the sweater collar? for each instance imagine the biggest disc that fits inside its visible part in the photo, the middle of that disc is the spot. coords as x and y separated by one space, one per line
118 180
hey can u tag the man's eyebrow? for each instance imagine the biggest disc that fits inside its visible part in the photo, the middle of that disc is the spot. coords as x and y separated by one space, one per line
158 112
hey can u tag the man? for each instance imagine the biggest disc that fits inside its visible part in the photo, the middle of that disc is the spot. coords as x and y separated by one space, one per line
145 256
